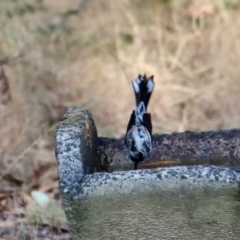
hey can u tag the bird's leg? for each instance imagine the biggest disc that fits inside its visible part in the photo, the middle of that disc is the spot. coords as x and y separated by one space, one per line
135 165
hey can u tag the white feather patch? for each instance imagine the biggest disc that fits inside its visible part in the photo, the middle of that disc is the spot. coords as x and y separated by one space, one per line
140 110
136 86
139 79
150 85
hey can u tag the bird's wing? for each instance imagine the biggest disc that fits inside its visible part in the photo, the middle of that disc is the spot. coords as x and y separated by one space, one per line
131 121
147 121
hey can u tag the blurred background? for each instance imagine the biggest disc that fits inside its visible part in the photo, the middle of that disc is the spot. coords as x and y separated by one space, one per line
58 54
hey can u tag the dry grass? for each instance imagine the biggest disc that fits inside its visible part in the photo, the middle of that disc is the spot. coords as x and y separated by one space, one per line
88 58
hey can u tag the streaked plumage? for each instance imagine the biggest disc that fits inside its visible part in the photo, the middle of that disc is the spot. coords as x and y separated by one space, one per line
138 138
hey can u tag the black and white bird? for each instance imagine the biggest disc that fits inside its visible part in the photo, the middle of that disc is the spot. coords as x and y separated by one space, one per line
138 138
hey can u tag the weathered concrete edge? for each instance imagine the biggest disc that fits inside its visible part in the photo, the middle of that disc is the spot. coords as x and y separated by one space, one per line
76 149
76 153
162 179
217 147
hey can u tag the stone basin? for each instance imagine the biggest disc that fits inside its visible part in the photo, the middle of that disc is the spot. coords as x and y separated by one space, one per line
178 202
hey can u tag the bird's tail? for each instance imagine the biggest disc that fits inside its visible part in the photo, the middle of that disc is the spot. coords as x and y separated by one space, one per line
143 88
139 112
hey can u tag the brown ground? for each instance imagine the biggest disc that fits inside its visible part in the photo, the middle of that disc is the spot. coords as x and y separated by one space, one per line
56 54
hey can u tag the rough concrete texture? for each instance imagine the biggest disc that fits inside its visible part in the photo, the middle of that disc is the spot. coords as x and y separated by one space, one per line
76 149
160 179
81 155
220 147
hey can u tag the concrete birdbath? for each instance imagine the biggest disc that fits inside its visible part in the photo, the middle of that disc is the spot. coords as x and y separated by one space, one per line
187 189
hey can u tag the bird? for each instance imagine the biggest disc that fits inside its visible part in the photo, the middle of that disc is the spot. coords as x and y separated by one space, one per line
138 139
